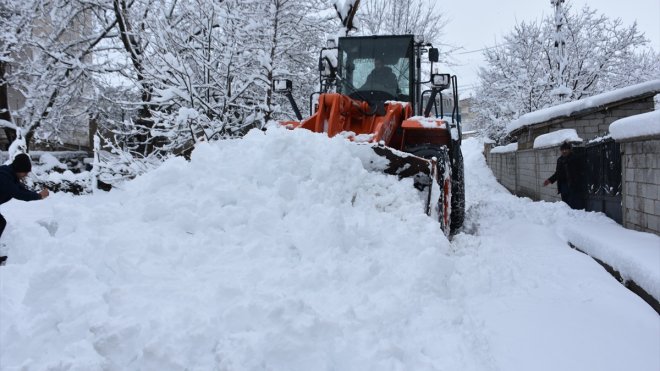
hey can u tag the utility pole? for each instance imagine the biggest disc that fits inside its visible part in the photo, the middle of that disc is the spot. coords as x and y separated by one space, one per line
561 89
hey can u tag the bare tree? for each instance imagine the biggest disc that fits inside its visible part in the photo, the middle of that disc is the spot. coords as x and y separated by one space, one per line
48 48
290 37
421 18
522 73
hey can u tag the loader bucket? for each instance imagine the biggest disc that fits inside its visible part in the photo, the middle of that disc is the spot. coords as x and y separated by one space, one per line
405 165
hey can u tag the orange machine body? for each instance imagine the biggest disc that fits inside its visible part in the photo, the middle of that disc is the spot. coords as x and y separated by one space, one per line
340 114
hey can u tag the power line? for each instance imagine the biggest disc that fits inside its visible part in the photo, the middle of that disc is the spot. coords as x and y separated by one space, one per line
482 49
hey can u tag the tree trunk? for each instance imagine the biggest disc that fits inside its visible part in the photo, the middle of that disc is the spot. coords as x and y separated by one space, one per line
273 49
5 113
135 51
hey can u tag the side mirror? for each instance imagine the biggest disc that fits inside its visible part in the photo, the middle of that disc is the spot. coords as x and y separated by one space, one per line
434 55
440 80
282 85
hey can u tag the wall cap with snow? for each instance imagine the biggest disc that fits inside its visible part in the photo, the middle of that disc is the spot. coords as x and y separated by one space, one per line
585 106
645 126
556 138
509 148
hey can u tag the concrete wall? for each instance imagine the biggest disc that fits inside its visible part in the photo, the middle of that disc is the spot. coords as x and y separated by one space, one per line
546 160
640 160
504 169
527 174
523 173
641 184
588 126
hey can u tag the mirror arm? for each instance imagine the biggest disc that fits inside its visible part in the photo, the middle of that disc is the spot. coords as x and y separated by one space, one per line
294 105
430 103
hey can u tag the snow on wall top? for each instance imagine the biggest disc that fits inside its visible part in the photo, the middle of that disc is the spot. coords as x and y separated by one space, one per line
556 138
631 253
567 109
646 124
512 147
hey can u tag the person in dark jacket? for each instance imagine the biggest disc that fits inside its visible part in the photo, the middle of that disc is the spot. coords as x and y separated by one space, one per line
568 177
11 186
381 78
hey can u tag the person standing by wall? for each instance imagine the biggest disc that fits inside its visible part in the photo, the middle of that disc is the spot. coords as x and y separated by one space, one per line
568 176
11 186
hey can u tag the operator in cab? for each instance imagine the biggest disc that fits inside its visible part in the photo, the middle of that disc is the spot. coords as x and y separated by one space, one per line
381 78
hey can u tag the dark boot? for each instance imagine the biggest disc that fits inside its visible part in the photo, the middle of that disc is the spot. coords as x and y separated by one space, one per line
3 224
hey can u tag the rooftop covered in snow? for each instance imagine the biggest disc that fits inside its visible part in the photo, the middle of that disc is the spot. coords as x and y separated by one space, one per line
585 106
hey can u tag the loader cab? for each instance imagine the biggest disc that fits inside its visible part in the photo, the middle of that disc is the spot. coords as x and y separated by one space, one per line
377 68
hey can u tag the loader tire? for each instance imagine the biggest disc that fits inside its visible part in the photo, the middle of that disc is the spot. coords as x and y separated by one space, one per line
457 191
444 207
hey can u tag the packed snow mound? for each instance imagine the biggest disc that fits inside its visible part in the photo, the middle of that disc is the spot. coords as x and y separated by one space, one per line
279 251
282 252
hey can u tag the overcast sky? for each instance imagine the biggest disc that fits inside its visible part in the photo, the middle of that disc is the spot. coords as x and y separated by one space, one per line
475 24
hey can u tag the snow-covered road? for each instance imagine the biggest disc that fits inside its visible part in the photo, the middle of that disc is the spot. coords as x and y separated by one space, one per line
281 252
540 304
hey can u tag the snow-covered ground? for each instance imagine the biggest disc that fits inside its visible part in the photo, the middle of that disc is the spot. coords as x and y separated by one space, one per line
281 252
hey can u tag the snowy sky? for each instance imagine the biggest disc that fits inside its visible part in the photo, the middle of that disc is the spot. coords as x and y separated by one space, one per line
478 24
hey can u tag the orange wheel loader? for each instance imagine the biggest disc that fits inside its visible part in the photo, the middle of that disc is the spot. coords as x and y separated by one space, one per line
373 91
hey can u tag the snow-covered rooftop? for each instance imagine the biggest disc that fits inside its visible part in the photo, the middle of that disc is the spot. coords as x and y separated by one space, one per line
568 109
646 124
556 138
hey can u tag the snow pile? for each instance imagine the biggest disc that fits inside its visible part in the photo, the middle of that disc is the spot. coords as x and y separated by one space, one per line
635 255
646 124
556 138
281 252
50 171
49 162
278 251
567 109
511 147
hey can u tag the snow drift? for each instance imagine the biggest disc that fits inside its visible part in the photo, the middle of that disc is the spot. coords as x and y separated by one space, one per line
278 251
281 252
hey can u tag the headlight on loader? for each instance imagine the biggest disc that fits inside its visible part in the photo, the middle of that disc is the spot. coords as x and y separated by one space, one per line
440 80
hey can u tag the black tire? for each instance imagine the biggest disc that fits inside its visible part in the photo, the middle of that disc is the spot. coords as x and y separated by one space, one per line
441 153
457 190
